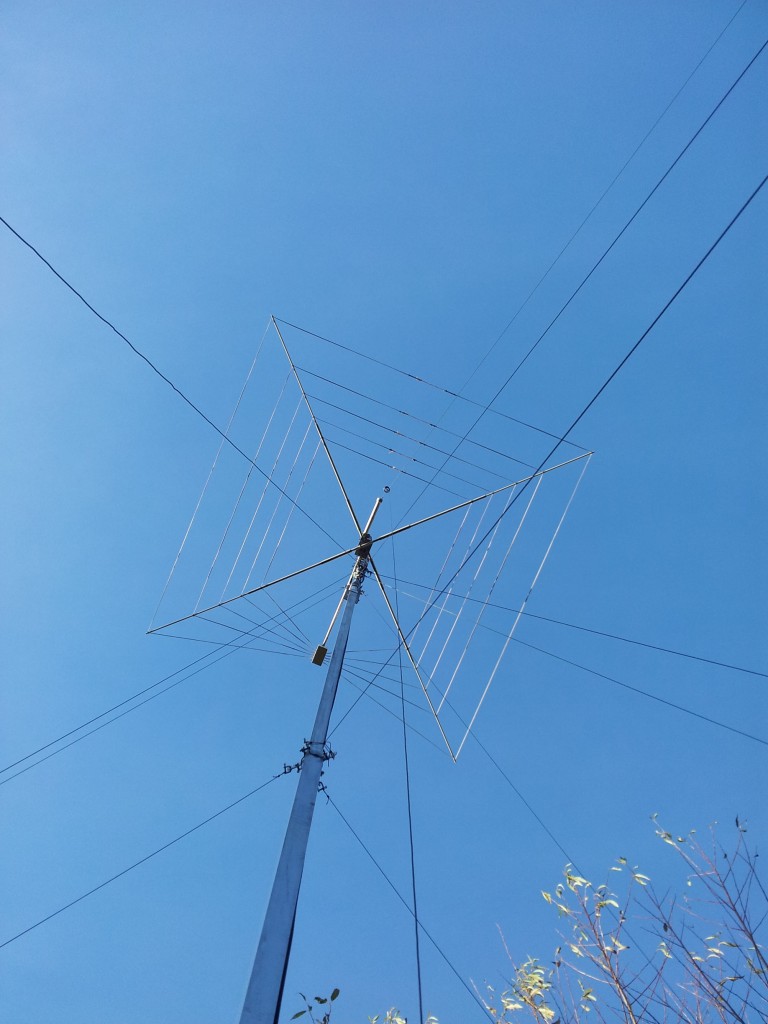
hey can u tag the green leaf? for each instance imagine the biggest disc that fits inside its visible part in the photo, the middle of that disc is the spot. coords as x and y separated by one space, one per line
605 903
299 1014
334 994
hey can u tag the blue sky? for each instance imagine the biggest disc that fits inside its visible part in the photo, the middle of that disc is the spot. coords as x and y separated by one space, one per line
397 178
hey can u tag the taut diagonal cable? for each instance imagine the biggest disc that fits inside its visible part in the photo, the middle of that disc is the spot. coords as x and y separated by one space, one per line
160 374
595 266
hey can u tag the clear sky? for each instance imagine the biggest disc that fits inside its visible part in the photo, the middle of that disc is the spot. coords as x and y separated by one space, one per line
395 177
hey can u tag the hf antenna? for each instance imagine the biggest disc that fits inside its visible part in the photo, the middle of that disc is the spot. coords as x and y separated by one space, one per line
440 636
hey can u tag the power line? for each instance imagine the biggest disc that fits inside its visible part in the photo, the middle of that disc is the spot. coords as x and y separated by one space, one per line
598 393
605 192
408 804
227 649
166 379
287 639
102 714
281 645
494 762
595 266
651 647
598 632
402 899
363 692
589 405
645 693
627 686
358 674
242 647
111 721
138 863
529 807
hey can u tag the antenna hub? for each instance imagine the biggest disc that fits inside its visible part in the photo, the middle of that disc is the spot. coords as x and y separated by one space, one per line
363 549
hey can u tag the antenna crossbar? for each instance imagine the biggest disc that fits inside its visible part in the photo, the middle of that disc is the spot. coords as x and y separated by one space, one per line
374 540
318 428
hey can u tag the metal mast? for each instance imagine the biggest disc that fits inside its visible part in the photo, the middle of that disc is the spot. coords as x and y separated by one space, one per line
265 989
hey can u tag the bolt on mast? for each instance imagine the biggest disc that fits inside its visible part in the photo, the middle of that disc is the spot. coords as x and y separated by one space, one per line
265 989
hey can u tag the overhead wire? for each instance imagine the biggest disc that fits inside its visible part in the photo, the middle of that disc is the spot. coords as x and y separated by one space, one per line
403 900
292 635
225 649
409 808
195 408
611 376
602 633
479 565
446 559
645 693
604 193
526 803
362 677
138 863
249 648
364 692
284 630
296 630
308 470
456 394
484 606
103 725
441 749
363 665
627 686
295 648
275 464
532 348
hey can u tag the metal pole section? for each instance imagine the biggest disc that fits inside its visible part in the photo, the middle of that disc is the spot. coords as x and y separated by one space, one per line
265 989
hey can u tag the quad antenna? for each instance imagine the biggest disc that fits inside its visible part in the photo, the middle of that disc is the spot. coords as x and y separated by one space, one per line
457 611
